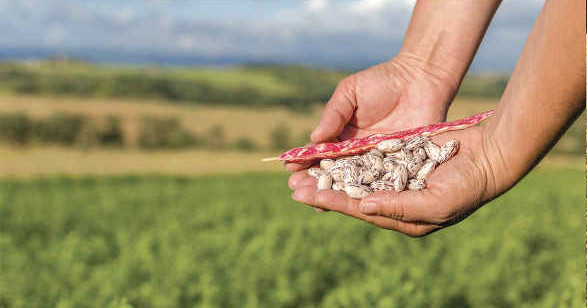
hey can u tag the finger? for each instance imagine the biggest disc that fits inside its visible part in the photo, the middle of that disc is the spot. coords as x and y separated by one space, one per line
296 178
305 194
413 206
307 184
293 167
307 181
337 113
339 202
413 229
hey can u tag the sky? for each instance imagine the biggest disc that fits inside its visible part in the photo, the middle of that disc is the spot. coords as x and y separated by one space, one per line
342 34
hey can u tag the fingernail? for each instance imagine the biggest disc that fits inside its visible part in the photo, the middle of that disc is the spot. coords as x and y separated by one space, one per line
319 210
369 208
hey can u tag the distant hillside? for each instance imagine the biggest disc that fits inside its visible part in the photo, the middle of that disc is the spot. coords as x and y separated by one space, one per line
256 85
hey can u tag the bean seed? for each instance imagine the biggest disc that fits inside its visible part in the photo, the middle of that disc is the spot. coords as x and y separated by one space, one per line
389 164
357 161
315 172
326 164
338 186
392 165
388 177
432 150
367 176
376 152
413 166
399 183
357 191
405 154
416 184
337 173
416 142
448 150
390 145
427 168
351 174
400 178
419 154
324 182
374 164
380 185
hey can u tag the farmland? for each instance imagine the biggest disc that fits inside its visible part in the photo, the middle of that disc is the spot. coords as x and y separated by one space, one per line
211 226
253 124
240 241
294 87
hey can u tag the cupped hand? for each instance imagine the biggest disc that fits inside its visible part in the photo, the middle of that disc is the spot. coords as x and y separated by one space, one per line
399 94
454 190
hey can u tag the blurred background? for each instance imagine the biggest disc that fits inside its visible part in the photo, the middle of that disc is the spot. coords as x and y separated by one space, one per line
131 134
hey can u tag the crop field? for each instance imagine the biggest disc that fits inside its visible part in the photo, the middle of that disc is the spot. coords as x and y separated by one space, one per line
253 123
47 161
212 226
240 241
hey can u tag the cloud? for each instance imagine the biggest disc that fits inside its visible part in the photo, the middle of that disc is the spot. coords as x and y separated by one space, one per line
369 7
314 6
348 34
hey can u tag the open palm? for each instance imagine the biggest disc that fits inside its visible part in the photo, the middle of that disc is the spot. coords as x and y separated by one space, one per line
391 96
454 190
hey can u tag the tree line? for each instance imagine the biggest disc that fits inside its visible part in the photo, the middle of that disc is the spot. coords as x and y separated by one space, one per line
155 132
306 86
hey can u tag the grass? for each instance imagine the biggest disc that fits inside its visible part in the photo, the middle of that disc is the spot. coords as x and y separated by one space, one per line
239 241
224 78
295 87
47 161
254 124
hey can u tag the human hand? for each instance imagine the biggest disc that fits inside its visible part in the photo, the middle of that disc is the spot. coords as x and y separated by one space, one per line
399 94
454 190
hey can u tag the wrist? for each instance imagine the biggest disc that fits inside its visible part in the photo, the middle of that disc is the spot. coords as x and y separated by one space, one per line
424 84
446 76
504 164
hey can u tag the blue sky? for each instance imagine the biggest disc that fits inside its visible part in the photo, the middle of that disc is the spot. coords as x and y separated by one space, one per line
350 34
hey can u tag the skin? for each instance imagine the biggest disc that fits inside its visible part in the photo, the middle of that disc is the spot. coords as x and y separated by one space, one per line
416 87
547 84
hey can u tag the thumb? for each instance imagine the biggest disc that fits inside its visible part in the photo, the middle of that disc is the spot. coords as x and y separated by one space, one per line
337 114
421 206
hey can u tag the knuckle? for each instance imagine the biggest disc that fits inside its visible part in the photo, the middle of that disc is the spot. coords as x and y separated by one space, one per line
372 220
345 83
393 209
292 181
348 205
442 217
321 198
345 88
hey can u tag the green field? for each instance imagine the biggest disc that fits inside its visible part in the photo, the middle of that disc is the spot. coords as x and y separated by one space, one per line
294 87
239 241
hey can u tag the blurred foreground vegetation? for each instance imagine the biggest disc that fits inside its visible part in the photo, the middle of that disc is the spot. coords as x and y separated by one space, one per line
239 241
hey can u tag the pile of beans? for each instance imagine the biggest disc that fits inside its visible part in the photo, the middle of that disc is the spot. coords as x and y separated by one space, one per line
393 164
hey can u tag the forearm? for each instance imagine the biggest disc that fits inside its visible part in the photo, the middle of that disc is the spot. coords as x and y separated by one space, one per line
545 93
445 35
